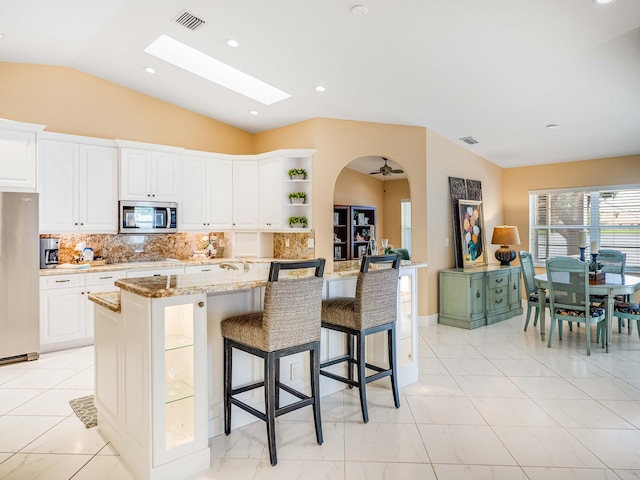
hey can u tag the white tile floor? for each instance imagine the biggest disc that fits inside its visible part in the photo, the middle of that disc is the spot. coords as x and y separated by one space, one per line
491 403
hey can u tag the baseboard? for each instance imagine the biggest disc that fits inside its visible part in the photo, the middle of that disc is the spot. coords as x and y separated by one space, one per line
427 320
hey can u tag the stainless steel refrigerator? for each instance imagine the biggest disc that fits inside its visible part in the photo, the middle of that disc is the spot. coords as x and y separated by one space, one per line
19 277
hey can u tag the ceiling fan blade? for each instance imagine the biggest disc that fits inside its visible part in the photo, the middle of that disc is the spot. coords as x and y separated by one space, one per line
397 171
374 173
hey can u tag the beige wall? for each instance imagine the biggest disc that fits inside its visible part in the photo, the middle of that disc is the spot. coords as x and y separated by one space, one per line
69 101
586 173
444 160
394 192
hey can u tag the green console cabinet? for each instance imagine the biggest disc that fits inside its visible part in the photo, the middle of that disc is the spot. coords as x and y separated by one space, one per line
474 297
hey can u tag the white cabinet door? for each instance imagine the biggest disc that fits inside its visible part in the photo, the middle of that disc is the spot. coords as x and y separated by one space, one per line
270 193
245 194
135 174
58 178
17 161
147 175
62 315
164 177
193 206
220 193
98 175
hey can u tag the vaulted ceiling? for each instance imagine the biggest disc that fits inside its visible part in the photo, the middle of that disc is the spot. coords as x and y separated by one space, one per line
499 71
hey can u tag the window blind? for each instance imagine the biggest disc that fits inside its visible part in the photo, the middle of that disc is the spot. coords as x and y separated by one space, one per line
608 216
405 222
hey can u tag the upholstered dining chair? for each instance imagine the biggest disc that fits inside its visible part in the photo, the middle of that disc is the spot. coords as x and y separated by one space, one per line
533 300
373 309
289 324
569 298
613 261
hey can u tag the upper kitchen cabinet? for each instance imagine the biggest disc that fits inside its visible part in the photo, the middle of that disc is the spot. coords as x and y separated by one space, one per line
296 193
78 186
270 194
18 156
207 192
245 194
148 175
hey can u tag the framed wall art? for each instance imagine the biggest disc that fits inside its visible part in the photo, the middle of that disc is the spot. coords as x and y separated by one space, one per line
459 188
472 237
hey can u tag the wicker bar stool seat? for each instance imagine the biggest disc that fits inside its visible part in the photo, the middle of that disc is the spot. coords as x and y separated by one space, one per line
289 324
373 309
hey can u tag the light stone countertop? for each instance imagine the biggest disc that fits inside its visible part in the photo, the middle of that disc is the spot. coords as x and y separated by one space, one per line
212 282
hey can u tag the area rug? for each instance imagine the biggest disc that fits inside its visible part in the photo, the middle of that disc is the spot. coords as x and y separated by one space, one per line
85 410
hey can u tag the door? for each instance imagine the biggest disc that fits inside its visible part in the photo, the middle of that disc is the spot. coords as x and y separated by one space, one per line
220 190
17 161
194 184
270 193
58 179
62 315
164 177
135 174
245 194
98 206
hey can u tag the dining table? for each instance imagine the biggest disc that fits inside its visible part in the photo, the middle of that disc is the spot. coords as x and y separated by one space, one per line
612 285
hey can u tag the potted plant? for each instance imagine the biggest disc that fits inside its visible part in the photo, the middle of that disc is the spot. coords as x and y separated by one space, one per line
297 173
298 197
298 222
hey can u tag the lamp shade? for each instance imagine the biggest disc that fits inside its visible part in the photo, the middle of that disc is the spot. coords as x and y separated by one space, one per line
505 236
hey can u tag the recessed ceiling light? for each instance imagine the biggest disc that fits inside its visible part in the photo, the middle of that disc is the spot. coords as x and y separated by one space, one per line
254 112
0 35
232 43
201 64
320 88
552 126
603 2
359 10
149 69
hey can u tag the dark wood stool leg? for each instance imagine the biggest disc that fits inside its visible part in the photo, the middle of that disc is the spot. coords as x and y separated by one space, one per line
362 376
269 402
228 357
391 341
277 383
314 360
350 360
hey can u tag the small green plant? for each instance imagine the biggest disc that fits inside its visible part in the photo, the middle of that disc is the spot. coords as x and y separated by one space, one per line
298 220
298 171
298 195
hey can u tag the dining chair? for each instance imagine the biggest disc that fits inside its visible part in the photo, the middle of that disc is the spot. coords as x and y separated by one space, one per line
288 324
569 298
613 261
373 309
533 300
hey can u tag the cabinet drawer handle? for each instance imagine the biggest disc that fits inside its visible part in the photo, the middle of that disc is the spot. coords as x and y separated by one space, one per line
201 304
515 287
499 280
477 293
62 281
499 291
499 301
206 270
105 278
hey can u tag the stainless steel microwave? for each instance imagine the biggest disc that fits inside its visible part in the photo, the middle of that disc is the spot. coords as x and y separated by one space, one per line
148 217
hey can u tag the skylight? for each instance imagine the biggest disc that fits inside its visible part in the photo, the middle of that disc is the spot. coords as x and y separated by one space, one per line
198 63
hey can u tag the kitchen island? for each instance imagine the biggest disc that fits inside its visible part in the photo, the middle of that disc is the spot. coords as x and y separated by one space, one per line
158 362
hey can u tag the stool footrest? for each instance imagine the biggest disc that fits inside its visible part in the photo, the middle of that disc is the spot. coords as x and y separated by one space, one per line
334 361
339 378
246 388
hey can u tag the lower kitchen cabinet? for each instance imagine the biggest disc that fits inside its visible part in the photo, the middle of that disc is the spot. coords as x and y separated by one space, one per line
66 314
471 298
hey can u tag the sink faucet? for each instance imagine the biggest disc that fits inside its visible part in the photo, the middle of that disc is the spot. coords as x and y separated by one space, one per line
228 266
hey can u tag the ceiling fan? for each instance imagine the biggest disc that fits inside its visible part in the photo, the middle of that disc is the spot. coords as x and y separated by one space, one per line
386 170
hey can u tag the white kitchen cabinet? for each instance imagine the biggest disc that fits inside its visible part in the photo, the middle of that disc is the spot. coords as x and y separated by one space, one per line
66 313
206 188
245 194
78 187
148 175
270 194
18 156
155 272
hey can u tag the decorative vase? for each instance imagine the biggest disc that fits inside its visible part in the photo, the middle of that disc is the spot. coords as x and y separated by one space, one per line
297 201
297 177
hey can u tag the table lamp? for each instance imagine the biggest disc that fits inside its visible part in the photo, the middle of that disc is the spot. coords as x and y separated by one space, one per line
505 236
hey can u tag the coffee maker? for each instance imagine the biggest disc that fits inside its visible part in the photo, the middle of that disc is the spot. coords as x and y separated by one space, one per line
49 252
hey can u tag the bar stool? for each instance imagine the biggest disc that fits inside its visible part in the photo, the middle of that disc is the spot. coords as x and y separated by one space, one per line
374 309
289 324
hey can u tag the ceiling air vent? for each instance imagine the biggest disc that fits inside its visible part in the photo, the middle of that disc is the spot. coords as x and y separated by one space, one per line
188 20
469 140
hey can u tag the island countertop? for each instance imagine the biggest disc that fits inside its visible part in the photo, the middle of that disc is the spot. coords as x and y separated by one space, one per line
214 282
